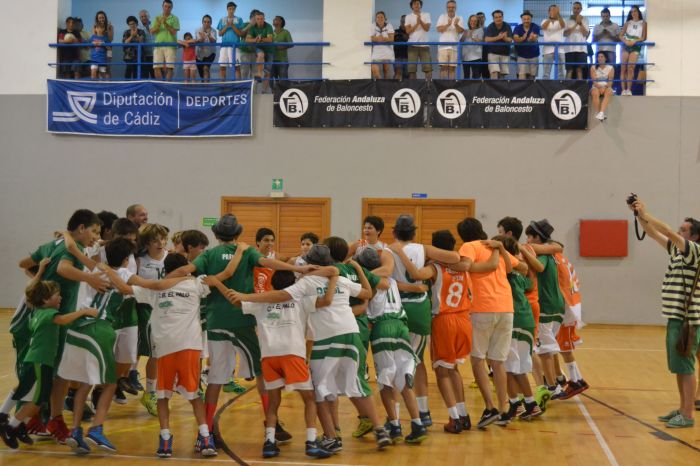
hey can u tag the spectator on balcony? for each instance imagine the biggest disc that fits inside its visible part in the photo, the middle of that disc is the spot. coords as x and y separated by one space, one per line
101 19
205 53
450 26
417 27
69 57
98 53
280 66
382 31
84 37
247 53
608 31
602 75
633 33
231 30
553 31
261 33
147 51
471 54
498 55
400 51
165 29
576 31
484 67
526 34
133 35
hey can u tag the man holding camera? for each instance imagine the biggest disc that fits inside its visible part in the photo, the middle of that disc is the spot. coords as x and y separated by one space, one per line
680 305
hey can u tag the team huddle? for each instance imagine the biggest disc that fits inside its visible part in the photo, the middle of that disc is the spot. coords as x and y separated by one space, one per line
108 291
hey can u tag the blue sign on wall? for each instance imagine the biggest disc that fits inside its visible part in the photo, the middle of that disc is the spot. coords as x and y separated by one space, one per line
150 108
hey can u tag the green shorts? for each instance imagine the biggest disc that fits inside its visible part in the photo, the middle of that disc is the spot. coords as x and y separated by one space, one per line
126 315
88 355
419 317
20 342
363 324
143 312
678 364
36 377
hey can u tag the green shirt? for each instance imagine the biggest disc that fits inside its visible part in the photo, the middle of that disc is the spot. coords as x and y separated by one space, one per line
69 288
264 31
44 343
522 317
45 250
221 314
348 271
245 49
163 35
126 316
551 300
282 36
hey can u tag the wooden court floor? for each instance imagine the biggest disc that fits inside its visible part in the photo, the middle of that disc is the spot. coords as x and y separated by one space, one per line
612 423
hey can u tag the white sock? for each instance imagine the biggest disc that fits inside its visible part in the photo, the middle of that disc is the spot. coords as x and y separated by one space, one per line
394 422
9 402
573 371
423 404
311 434
204 430
462 409
397 409
14 422
270 434
529 399
579 377
513 400
454 414
150 385
417 421
165 433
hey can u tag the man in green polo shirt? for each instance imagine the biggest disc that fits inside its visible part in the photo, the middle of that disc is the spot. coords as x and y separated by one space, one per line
165 30
259 33
280 68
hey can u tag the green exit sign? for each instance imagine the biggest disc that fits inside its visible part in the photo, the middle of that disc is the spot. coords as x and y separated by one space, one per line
209 221
277 184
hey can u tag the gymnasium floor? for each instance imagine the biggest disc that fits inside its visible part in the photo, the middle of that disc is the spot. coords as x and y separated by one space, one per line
614 422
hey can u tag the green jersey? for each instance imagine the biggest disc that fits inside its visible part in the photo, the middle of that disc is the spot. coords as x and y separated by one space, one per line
551 299
348 271
69 288
221 314
45 250
262 32
44 343
523 317
282 36
245 49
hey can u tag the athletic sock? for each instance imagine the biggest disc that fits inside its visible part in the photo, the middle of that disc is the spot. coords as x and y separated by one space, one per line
423 404
417 421
529 399
150 385
462 409
9 402
311 434
573 371
265 402
454 414
513 400
397 409
165 433
579 377
14 422
270 434
204 430
395 422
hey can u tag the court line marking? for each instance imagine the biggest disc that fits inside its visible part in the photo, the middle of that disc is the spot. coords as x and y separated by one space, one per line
643 350
601 440
655 430
220 438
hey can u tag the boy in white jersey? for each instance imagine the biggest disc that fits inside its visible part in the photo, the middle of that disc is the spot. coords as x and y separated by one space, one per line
372 228
306 241
417 305
281 332
338 355
394 359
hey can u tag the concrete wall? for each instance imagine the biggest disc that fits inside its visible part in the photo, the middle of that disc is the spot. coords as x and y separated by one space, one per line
650 146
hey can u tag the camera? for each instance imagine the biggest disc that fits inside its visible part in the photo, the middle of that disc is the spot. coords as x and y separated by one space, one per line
631 199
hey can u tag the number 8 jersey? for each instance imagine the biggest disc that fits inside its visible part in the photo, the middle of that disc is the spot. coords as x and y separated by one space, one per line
450 291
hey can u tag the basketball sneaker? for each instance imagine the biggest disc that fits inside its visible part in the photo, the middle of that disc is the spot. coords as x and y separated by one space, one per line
315 450
270 449
453 426
76 442
487 417
165 447
363 427
417 435
97 438
395 433
425 418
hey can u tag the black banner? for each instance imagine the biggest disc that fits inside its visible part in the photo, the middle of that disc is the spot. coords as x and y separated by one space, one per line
442 104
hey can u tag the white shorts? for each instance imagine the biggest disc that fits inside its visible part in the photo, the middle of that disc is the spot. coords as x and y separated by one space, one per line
491 335
395 369
226 59
572 315
337 368
164 57
126 345
519 357
498 63
222 360
547 337
205 345
528 66
447 57
101 69
189 65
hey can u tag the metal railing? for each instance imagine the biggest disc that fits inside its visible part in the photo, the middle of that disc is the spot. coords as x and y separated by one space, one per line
140 63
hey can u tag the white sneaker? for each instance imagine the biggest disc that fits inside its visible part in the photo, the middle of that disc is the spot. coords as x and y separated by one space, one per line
600 116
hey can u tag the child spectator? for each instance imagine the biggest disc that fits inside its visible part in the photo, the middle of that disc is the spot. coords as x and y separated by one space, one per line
189 57
101 19
602 76
98 54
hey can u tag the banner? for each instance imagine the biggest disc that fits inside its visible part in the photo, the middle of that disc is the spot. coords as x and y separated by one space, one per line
150 108
442 104
362 103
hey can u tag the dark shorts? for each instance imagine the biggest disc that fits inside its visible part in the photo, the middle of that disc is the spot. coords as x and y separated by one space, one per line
38 377
575 60
202 66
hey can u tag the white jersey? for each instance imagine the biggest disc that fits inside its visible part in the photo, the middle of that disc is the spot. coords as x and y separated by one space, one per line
635 29
175 324
281 326
150 268
386 303
601 75
106 302
131 266
416 253
382 52
336 319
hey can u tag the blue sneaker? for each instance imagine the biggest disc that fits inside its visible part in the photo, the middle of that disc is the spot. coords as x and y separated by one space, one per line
165 447
315 450
270 450
97 438
77 443
425 418
134 379
205 445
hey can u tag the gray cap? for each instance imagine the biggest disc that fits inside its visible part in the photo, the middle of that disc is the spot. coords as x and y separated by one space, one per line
319 254
404 223
227 227
368 258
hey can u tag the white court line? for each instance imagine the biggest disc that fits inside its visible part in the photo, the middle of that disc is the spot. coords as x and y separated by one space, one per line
622 349
3 376
596 431
155 458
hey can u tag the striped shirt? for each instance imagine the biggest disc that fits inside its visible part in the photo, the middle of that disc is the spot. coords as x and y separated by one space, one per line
678 283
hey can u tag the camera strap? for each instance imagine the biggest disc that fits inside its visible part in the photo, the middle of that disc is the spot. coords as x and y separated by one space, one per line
636 230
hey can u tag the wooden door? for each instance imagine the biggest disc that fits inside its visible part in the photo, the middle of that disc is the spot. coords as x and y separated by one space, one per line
289 218
430 214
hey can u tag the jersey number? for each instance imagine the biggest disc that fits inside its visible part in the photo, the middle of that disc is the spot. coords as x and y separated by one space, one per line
454 294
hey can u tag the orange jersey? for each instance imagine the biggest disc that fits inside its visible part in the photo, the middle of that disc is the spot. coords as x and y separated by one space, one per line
568 280
262 279
450 291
